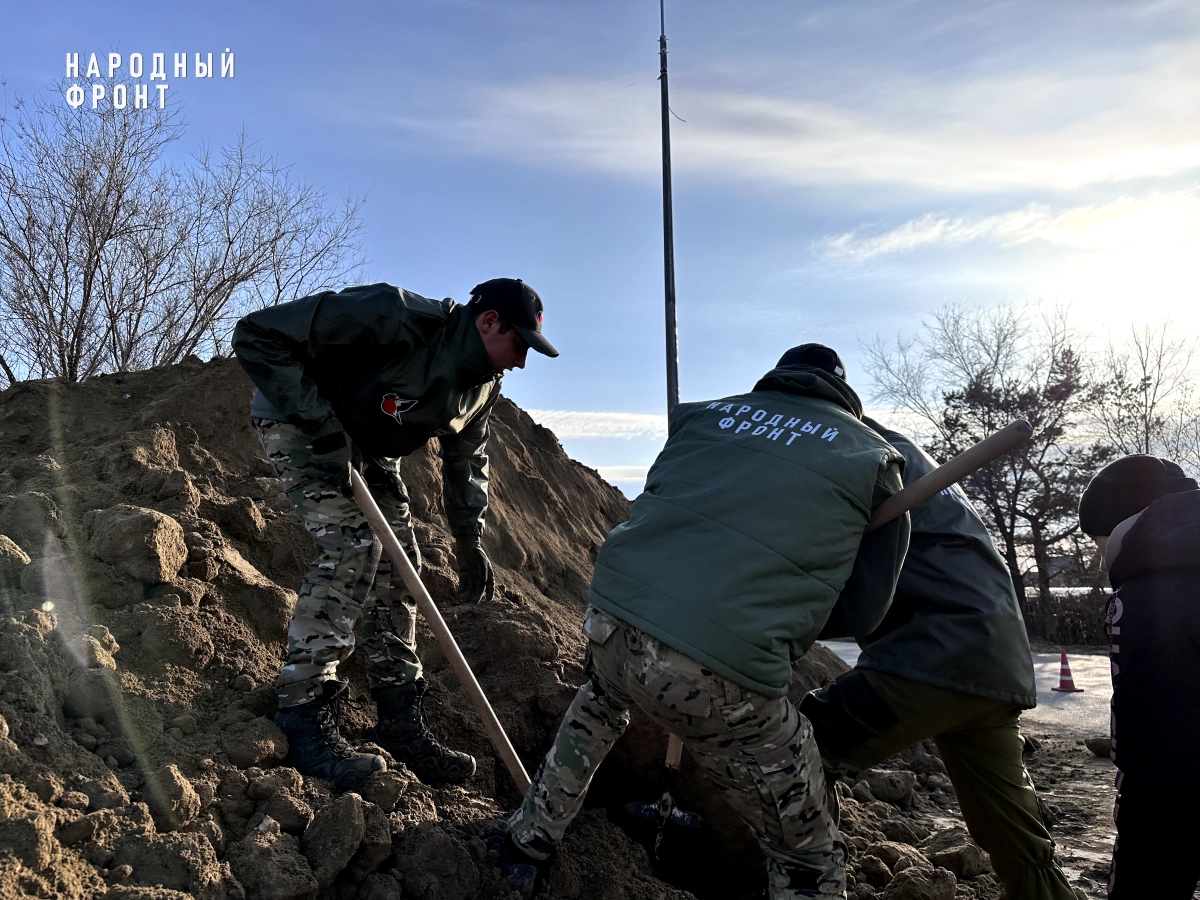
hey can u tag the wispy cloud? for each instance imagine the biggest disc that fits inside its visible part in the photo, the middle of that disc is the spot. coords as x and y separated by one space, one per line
567 424
1108 118
1164 221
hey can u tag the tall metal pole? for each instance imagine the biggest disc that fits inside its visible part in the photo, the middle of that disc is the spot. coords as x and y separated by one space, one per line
668 219
666 803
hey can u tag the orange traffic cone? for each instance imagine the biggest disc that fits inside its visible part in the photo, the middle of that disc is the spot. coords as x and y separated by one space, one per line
1066 684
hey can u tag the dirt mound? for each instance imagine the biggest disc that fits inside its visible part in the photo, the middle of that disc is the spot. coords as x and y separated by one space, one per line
148 562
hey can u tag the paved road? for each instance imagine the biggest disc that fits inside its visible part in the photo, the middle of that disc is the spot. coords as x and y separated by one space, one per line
1081 715
1063 715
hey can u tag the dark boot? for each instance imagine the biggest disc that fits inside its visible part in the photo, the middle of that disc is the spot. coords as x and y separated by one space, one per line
316 747
517 868
403 733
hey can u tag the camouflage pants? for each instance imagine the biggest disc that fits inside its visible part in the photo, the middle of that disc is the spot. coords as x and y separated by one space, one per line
759 751
351 578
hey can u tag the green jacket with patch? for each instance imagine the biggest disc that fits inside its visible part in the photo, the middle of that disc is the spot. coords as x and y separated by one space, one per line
954 622
393 368
751 526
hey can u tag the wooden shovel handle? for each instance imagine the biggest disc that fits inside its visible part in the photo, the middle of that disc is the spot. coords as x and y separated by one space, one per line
674 750
438 626
952 471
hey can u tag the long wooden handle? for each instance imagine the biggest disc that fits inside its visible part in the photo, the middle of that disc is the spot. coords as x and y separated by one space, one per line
954 470
674 750
440 631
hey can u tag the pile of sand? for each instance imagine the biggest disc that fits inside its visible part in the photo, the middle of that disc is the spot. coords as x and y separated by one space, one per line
148 564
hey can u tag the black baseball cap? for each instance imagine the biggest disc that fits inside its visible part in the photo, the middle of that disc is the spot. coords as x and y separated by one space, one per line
814 355
517 304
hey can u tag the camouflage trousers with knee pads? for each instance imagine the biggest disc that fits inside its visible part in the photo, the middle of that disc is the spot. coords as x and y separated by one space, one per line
759 752
351 582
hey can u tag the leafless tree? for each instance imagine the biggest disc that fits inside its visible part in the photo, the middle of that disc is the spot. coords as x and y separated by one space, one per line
113 258
1146 389
1184 436
968 372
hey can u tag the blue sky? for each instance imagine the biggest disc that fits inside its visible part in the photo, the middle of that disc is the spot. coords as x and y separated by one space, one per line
843 169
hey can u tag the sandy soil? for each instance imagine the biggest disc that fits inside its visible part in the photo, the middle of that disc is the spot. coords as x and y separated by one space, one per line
148 564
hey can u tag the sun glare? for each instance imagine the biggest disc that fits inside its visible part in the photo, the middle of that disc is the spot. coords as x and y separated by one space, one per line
1137 283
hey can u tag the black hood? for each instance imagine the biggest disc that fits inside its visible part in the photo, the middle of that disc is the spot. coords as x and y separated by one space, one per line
811 381
1166 536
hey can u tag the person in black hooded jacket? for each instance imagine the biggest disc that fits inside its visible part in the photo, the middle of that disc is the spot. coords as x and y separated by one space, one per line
950 661
1144 515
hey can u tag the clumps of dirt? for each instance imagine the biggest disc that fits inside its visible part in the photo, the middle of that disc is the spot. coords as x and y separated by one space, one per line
148 566
33 860
905 835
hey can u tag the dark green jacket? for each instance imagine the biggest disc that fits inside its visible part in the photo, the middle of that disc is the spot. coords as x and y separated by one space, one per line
954 622
751 525
392 367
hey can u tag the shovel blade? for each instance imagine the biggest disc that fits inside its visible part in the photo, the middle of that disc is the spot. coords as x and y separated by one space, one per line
649 812
690 821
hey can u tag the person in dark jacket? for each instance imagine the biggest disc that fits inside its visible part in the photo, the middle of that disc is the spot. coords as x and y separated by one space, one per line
951 662
360 379
750 528
1144 514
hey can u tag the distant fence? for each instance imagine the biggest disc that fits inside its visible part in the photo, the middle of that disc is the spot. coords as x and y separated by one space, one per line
1073 616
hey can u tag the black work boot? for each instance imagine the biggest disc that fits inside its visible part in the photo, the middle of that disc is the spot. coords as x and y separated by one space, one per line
519 870
316 747
403 733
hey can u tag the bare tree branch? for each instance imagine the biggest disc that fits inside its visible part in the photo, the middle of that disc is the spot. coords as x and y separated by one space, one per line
1146 379
968 372
111 258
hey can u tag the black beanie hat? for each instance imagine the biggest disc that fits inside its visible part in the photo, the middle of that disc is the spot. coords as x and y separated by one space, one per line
814 355
1124 488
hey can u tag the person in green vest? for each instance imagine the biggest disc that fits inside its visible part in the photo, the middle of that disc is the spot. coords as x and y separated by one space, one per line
951 662
750 529
360 379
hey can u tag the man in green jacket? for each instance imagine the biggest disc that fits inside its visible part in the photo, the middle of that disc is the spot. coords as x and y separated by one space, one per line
360 379
951 662
750 528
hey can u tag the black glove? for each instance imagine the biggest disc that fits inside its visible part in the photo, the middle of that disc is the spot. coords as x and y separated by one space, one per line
385 481
331 455
476 580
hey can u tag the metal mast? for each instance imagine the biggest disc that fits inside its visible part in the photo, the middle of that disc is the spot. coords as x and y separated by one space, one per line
668 219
